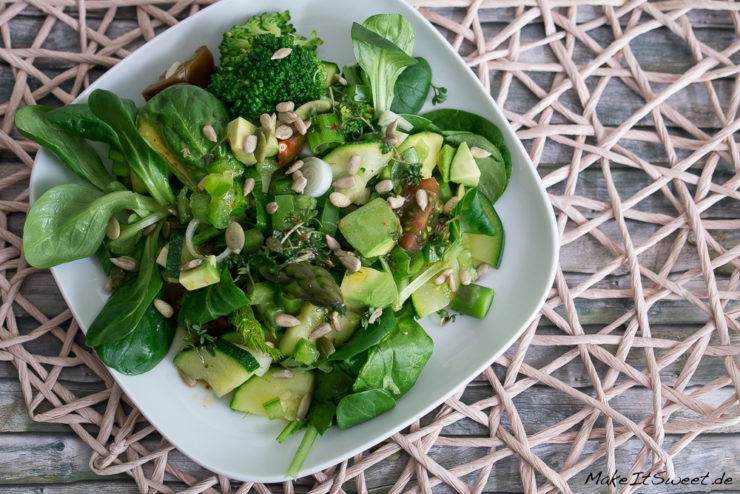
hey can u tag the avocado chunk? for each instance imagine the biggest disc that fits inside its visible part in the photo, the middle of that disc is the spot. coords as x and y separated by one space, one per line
371 229
463 169
368 287
205 274
445 160
428 146
236 132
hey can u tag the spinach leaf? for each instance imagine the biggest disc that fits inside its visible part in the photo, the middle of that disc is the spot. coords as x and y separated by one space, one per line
383 45
79 155
368 338
461 120
420 123
493 178
148 165
127 304
360 407
176 118
211 302
329 389
143 348
397 361
475 214
412 88
174 253
68 222
80 120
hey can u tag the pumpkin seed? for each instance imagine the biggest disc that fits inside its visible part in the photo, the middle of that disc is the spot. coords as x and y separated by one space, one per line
234 237
113 231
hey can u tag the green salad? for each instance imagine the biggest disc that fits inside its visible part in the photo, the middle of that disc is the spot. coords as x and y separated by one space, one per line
288 219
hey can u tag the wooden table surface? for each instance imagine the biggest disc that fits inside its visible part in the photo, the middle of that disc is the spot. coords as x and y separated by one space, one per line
49 458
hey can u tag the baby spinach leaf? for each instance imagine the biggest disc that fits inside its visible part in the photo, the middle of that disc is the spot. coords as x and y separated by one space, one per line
475 214
360 407
362 340
143 348
383 45
80 120
126 306
329 389
176 117
397 361
79 155
420 123
68 222
412 88
493 178
211 302
148 165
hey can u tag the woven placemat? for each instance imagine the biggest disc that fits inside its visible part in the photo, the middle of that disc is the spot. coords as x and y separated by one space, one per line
689 259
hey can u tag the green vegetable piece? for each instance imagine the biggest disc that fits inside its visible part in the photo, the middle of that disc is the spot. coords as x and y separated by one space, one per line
289 430
262 293
383 45
329 218
373 158
371 229
445 161
360 407
428 146
217 184
473 300
309 437
366 339
306 282
291 305
305 352
397 361
68 222
143 348
463 169
174 254
126 306
405 264
484 248
237 131
325 134
412 88
476 214
223 365
78 119
317 106
310 317
209 303
253 240
368 288
251 332
201 276
430 297
291 206
80 156
251 395
148 165
274 409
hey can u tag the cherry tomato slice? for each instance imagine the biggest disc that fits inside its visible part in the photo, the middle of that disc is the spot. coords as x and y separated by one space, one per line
289 148
197 71
417 223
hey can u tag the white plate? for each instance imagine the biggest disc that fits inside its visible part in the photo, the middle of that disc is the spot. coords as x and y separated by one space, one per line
242 447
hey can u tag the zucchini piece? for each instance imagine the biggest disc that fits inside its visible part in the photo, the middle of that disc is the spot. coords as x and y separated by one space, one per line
372 162
226 368
263 360
251 396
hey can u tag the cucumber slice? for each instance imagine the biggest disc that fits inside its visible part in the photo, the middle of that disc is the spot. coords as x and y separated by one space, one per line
263 360
429 298
484 248
372 161
226 368
251 396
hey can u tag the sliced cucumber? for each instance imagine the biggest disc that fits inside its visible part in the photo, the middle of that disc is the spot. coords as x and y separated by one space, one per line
251 396
484 248
429 298
372 161
310 317
263 360
226 368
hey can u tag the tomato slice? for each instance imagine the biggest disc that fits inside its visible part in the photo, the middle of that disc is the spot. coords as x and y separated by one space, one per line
289 148
417 223
197 71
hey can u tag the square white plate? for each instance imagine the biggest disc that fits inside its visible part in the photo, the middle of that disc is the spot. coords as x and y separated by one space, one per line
241 447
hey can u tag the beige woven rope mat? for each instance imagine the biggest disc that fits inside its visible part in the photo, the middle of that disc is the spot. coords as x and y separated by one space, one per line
630 113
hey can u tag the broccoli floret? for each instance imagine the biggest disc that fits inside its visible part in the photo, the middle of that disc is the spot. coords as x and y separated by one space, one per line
251 83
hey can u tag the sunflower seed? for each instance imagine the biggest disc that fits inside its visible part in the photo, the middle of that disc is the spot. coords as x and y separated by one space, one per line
443 276
332 243
294 167
353 165
281 53
322 329
391 141
341 80
483 270
465 277
285 106
396 202
300 126
209 133
126 263
384 186
248 186
344 182
189 381
282 374
339 200
108 286
452 282
192 264
163 308
350 262
479 152
271 207
450 205
391 130
422 199
149 230
299 183
234 237
286 320
303 407
283 132
375 315
336 324
250 143
266 122
113 231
